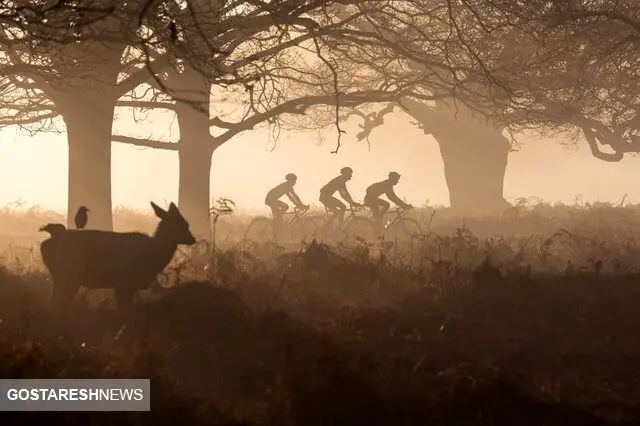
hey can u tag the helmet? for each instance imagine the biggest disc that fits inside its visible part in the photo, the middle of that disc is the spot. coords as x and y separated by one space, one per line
346 171
291 176
394 175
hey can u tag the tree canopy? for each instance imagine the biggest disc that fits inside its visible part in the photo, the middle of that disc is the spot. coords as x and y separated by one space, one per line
562 67
535 64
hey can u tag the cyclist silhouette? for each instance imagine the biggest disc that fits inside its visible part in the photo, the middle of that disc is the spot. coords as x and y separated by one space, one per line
379 206
278 208
339 185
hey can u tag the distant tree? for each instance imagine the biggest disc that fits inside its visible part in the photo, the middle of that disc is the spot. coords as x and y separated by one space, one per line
75 57
565 68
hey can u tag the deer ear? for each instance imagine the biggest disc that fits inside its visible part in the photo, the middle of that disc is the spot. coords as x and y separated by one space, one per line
158 210
173 208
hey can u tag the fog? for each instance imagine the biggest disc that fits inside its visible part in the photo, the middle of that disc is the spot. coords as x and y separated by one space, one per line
34 168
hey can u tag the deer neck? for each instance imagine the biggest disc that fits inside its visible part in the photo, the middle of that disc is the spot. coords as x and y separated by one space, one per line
165 243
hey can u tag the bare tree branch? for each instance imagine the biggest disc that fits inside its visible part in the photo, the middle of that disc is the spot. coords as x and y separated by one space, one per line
147 143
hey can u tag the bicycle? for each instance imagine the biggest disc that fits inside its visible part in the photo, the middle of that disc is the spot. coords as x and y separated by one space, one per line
262 228
400 228
324 226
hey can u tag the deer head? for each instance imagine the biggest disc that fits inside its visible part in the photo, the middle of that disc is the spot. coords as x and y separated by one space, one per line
173 227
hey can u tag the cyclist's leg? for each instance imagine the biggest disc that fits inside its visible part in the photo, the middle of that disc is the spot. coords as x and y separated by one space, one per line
378 208
367 203
274 215
282 208
274 212
327 206
326 201
384 206
337 206
370 203
278 208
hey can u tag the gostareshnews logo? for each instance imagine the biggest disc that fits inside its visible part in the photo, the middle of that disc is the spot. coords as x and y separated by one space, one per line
75 395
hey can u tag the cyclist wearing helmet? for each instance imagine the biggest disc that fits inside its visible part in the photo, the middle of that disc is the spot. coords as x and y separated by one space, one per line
339 185
278 208
379 206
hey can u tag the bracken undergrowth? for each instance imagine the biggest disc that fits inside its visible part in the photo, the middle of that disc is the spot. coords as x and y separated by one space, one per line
530 319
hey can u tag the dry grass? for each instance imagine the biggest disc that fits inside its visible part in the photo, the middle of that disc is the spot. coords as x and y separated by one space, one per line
529 319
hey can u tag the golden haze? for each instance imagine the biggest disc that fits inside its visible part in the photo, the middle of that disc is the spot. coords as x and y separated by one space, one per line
34 168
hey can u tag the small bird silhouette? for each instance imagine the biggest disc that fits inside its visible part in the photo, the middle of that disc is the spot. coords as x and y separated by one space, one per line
53 229
81 218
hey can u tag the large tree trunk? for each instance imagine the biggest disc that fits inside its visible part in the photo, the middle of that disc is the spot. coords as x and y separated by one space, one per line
89 136
474 168
194 153
86 97
474 152
195 149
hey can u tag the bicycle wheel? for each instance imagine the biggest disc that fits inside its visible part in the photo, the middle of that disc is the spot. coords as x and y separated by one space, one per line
359 228
405 230
312 227
260 230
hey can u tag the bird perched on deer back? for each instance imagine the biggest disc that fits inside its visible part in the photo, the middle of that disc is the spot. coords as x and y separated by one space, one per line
81 218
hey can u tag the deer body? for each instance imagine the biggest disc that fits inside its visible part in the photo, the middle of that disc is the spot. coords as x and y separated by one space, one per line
127 262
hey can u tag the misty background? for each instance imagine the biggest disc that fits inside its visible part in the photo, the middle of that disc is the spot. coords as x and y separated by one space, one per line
34 168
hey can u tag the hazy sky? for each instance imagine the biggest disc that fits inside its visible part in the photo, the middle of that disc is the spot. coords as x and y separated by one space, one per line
34 169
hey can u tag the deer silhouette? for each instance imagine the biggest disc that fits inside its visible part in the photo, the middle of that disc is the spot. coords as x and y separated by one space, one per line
125 261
